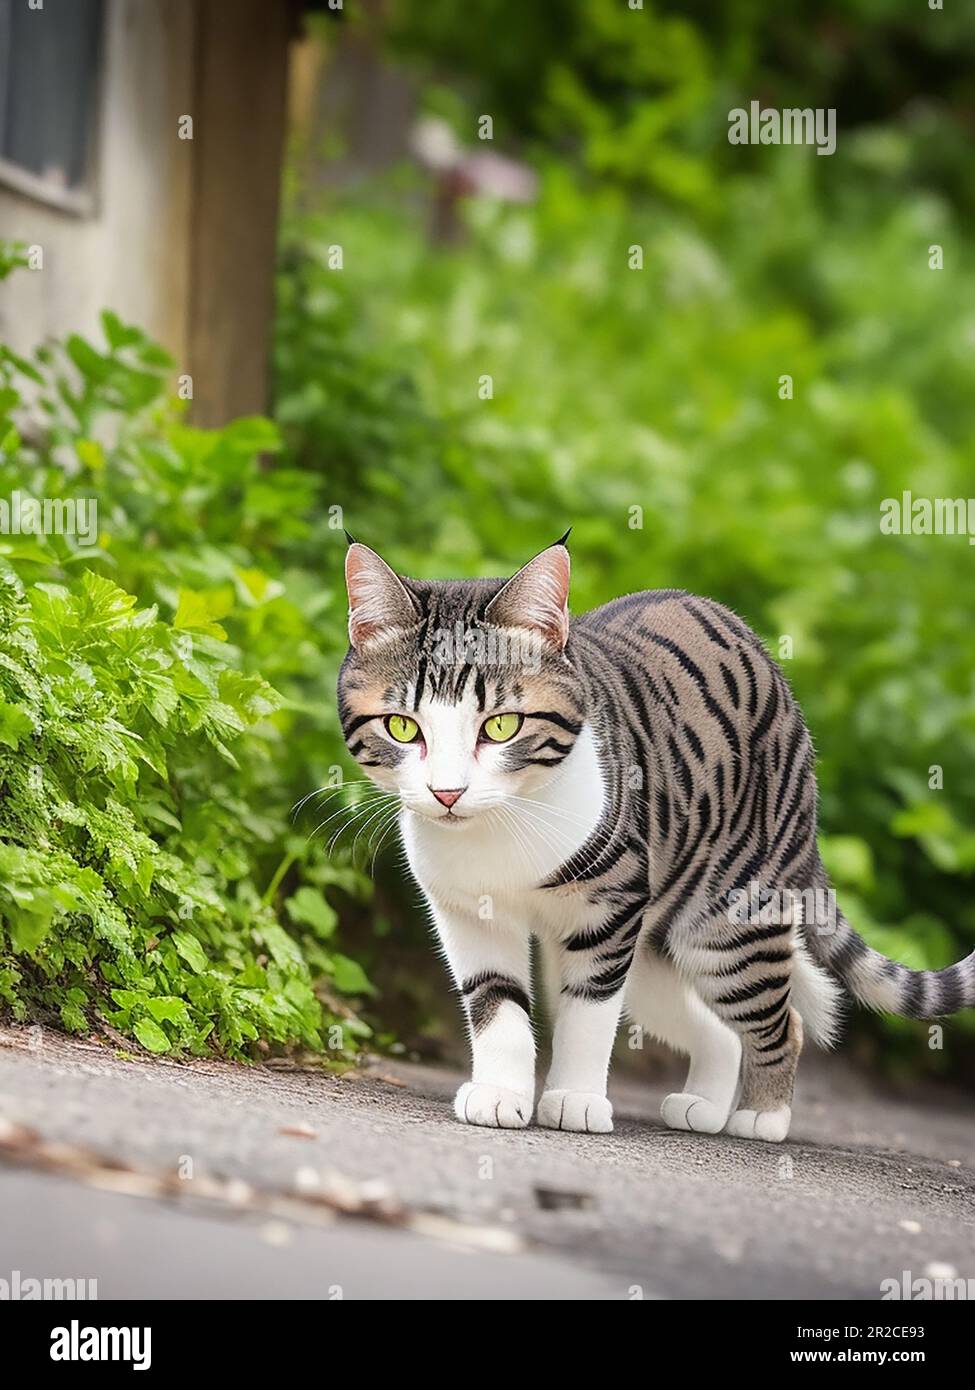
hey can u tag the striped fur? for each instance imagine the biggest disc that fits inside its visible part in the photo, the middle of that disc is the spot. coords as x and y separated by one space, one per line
662 796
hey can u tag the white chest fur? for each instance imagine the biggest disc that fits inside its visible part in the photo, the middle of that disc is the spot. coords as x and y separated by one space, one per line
489 869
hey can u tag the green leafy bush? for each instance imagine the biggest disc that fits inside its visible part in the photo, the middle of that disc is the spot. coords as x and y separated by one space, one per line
150 879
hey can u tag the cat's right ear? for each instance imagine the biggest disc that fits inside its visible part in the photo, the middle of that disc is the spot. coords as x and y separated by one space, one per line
379 605
536 599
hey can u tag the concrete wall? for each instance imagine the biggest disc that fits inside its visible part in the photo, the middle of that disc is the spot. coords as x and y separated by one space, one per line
181 235
132 254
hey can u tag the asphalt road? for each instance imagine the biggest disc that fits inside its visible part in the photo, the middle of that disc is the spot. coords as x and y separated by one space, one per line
160 1179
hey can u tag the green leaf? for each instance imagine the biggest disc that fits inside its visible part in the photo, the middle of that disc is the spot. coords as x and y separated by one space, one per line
73 1017
151 1035
349 977
118 334
91 454
309 907
90 363
190 950
168 1008
197 612
31 924
283 948
15 725
848 860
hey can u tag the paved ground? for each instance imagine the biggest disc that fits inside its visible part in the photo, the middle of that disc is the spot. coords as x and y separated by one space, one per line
204 1179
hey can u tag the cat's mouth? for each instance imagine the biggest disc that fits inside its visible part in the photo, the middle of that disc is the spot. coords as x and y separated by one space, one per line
448 817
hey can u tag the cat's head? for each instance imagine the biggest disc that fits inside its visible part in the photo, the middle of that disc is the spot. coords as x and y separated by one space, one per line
459 694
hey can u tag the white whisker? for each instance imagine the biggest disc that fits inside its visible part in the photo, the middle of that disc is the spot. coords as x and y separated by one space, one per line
507 819
354 813
539 825
359 813
327 792
393 820
374 819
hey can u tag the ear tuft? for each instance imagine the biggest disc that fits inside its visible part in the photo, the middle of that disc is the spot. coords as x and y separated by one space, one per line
379 605
537 598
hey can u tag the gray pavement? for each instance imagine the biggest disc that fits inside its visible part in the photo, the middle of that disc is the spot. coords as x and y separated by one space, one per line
204 1179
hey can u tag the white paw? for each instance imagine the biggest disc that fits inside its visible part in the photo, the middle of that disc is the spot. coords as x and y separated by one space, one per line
479 1104
682 1110
770 1125
580 1111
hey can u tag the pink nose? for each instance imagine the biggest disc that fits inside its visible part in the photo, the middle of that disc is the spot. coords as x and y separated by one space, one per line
447 798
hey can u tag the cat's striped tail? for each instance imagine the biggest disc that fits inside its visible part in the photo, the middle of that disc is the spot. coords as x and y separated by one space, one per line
884 984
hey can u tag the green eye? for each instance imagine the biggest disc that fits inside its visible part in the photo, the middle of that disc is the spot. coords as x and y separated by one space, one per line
500 727
402 728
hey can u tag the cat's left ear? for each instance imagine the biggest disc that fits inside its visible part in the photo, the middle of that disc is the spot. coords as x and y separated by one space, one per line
537 597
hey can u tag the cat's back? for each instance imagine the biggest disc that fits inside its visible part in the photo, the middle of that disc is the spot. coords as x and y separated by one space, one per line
688 651
699 625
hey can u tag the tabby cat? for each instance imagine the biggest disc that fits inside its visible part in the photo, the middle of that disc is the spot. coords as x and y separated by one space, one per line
634 788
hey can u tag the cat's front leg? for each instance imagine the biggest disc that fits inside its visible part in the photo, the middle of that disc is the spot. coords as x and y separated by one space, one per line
582 1040
491 967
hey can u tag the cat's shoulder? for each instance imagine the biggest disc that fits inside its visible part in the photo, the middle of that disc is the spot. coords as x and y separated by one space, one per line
671 611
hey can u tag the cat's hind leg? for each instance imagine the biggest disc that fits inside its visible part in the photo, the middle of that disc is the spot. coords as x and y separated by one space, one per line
667 1008
765 1107
746 978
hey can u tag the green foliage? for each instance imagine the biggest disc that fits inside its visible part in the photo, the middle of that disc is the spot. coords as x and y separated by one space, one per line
642 95
658 389
149 875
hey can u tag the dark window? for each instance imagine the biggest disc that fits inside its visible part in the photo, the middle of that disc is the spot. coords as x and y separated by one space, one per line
49 68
